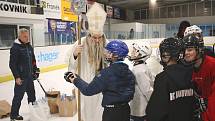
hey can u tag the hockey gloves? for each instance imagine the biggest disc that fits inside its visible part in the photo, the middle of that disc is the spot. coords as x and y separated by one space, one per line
68 76
200 106
36 73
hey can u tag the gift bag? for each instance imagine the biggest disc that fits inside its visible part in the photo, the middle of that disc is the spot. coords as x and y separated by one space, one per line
67 106
5 108
52 101
39 110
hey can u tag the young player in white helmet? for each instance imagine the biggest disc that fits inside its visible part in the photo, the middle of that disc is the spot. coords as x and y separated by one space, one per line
194 30
144 80
141 51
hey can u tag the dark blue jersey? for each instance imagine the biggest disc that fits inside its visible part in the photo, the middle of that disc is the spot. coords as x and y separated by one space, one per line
116 83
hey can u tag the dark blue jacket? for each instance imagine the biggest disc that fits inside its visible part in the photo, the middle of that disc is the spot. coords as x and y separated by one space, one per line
115 82
22 60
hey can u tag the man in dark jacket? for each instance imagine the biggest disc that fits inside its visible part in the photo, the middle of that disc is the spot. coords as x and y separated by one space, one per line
23 66
172 99
116 83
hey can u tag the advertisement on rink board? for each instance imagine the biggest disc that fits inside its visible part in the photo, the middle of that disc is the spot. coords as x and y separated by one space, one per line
52 8
67 13
14 7
45 57
109 11
51 55
61 26
62 31
117 13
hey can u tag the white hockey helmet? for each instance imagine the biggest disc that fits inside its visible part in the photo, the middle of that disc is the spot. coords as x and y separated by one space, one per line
196 31
192 30
143 51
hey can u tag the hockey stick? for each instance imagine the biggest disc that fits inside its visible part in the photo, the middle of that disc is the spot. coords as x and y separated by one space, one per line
46 94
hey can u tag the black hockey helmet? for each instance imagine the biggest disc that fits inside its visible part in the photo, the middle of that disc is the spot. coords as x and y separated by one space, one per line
194 41
172 46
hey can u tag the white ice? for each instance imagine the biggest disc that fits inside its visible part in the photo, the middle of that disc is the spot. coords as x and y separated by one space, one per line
49 80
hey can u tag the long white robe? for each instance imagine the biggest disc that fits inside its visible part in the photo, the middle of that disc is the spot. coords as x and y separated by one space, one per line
91 109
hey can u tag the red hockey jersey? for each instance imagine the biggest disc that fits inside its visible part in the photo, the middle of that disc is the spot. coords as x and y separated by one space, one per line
205 80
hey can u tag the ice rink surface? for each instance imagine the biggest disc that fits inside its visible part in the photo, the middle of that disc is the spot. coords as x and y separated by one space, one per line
50 80
54 80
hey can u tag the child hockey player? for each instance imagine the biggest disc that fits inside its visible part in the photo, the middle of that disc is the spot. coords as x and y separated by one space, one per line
172 98
203 73
144 80
116 83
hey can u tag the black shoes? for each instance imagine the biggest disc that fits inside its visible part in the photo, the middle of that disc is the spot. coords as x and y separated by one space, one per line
17 118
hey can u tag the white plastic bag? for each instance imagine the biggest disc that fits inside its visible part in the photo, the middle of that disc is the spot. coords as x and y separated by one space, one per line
39 111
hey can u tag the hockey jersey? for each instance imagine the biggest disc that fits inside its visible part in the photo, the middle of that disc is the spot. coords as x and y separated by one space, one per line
172 98
204 79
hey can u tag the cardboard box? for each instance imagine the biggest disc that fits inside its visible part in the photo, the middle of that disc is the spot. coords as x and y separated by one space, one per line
5 108
67 106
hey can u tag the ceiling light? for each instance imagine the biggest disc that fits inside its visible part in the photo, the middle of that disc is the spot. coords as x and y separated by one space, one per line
153 2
